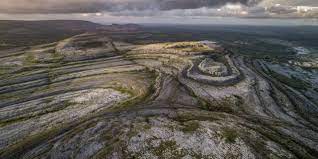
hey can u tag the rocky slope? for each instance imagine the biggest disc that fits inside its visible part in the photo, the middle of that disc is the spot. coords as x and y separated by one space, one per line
92 97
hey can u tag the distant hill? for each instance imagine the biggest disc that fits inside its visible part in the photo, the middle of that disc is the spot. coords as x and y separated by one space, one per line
26 33
122 28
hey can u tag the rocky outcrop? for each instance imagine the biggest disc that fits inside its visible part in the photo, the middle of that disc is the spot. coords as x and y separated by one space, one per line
83 47
202 72
213 68
91 97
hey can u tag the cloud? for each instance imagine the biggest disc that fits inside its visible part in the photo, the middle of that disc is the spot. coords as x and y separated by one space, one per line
227 10
88 6
289 2
164 8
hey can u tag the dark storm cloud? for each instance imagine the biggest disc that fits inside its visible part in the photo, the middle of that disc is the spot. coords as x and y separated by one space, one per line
191 4
86 6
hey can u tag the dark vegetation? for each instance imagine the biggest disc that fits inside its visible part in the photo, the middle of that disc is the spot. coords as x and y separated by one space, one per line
93 44
190 126
290 81
267 42
255 41
229 135
27 33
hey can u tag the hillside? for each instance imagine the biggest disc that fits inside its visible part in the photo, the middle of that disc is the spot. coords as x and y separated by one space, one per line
93 96
27 33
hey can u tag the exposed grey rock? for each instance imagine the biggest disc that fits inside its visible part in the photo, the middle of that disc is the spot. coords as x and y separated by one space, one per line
91 97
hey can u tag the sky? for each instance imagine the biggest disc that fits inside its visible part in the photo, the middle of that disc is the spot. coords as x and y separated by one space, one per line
252 12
